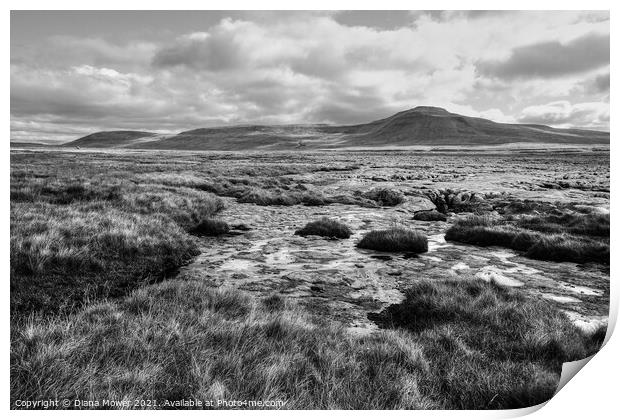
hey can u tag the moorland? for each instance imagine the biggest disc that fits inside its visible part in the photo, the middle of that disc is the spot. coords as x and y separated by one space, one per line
376 279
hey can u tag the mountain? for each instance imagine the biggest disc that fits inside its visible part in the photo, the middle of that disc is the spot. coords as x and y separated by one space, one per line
426 125
420 126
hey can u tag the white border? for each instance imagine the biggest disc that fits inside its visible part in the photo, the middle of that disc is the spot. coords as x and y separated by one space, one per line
591 394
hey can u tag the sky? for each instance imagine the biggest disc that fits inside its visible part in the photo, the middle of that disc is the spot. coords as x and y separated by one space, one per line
74 73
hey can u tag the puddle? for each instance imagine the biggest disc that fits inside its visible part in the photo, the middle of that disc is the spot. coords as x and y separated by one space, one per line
347 283
582 290
238 264
437 241
586 324
460 267
280 257
560 298
494 274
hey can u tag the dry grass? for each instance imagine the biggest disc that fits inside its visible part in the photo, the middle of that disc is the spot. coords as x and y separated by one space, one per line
211 227
572 223
75 238
263 191
509 347
564 246
452 345
385 196
430 216
326 227
395 240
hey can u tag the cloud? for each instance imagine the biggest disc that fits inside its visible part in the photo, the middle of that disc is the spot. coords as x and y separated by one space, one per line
550 59
330 51
601 82
301 67
61 51
82 90
214 51
564 114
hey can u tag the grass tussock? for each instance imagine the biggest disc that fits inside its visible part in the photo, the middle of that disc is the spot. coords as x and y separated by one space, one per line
326 227
430 216
273 192
211 227
277 197
465 344
537 244
563 248
385 196
186 206
594 224
395 240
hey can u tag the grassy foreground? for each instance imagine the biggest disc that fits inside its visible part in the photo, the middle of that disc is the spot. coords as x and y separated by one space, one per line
449 345
75 239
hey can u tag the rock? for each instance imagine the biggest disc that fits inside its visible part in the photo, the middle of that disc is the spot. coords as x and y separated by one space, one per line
414 204
461 197
475 197
441 205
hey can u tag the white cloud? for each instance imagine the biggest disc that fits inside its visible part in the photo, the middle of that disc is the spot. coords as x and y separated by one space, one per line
565 114
306 67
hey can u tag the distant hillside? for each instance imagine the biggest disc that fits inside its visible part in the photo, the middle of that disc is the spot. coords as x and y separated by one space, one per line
421 126
276 137
27 145
104 139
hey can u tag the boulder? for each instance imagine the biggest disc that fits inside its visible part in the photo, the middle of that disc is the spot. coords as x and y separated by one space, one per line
416 204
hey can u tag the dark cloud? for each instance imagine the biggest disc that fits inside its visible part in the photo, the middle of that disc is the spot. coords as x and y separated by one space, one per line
602 82
551 59
344 106
215 52
380 19
593 87
60 52
448 15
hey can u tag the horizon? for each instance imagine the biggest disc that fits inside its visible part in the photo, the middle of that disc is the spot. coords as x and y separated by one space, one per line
75 73
157 132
